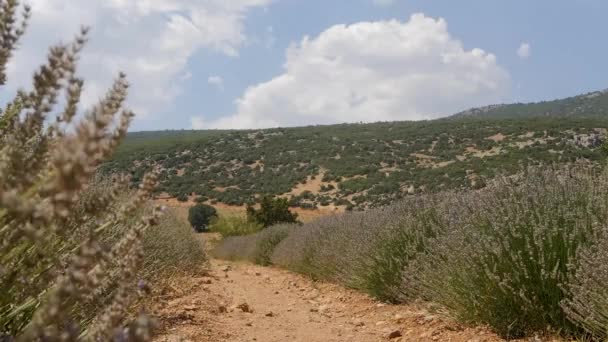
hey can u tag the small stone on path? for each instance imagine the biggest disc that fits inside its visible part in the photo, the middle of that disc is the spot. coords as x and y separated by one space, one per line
244 307
393 334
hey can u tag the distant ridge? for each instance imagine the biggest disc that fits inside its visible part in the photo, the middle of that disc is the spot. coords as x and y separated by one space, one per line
589 105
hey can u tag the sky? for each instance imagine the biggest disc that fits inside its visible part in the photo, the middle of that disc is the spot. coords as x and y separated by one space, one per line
216 64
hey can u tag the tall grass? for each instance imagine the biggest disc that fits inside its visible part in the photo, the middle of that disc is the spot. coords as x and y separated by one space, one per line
524 255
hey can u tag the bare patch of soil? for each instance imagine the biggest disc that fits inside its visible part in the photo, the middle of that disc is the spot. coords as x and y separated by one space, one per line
312 185
473 151
498 137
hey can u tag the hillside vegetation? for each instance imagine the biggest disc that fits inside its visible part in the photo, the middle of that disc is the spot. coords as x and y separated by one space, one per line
590 105
366 165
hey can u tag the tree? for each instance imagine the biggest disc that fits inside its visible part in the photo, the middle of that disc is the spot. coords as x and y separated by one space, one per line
271 212
200 215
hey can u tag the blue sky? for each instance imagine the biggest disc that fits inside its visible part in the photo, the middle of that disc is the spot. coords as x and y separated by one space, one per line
245 63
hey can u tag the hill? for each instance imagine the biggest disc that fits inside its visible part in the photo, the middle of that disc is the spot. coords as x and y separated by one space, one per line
366 165
590 105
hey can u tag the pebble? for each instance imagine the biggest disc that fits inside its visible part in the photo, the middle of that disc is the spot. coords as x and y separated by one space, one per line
245 307
394 334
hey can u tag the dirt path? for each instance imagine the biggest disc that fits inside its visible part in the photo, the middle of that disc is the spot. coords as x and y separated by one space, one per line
243 302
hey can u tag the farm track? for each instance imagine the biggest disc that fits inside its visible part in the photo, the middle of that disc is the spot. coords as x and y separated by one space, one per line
244 302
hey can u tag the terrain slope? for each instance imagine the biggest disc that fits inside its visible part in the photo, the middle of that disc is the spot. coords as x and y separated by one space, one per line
357 166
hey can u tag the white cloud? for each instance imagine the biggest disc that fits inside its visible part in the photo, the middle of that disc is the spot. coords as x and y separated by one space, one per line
383 3
373 71
524 51
216 81
150 40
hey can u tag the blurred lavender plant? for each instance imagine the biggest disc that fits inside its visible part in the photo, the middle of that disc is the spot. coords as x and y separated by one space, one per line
52 259
257 248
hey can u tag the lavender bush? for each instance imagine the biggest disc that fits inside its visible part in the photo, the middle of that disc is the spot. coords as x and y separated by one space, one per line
71 246
587 302
256 248
523 255
507 264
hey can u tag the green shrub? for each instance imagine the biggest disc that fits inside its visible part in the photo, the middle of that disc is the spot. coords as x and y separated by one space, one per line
234 226
182 198
200 216
271 212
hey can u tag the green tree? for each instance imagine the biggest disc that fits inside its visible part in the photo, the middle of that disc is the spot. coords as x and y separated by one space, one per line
271 212
200 215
